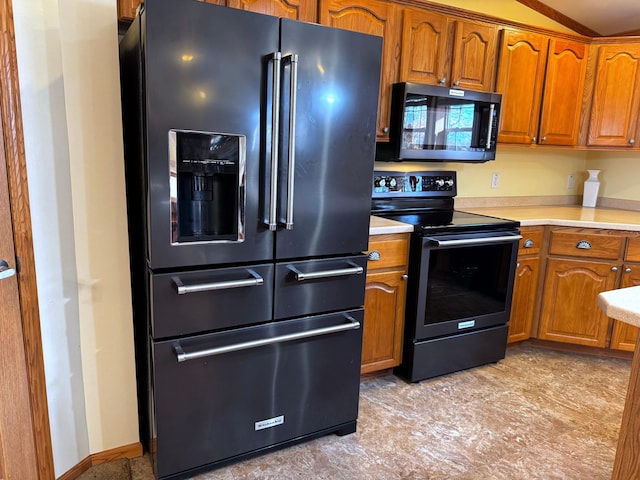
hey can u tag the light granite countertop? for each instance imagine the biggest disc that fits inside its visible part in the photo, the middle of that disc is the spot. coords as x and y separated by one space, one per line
622 304
566 216
379 226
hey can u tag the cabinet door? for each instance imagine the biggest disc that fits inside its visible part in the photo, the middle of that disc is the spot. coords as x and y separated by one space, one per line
564 83
384 300
616 96
524 296
304 10
374 17
520 77
624 336
424 56
570 312
127 9
474 55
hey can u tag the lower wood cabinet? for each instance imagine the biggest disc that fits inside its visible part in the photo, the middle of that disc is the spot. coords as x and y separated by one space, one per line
525 285
524 298
570 312
384 302
625 336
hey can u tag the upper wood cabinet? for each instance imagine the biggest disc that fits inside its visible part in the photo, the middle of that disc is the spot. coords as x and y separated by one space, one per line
439 50
521 67
304 10
542 80
562 97
374 17
616 97
127 8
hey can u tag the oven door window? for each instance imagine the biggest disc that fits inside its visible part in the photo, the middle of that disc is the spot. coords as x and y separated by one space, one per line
467 282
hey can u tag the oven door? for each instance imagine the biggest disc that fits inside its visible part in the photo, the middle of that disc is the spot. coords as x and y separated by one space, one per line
464 282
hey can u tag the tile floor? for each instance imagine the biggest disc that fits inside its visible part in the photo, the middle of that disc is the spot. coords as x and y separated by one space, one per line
538 414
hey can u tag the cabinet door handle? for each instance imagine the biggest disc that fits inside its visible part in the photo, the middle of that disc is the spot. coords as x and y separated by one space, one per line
405 277
528 243
544 139
614 269
518 265
627 270
534 139
583 245
456 83
385 130
632 141
442 80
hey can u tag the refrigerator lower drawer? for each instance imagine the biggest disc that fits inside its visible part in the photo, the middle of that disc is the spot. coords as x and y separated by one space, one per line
222 395
184 303
321 285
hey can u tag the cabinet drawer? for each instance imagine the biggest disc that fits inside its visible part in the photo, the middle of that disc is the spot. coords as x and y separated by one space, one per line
531 241
591 245
387 251
633 250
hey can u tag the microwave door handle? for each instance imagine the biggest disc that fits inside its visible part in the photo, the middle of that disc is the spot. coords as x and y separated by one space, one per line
292 140
489 130
275 134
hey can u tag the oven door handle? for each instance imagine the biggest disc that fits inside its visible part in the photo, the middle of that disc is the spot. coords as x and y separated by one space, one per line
471 241
182 356
354 269
183 289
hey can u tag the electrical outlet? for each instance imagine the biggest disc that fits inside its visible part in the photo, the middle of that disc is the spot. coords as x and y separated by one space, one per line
495 179
571 181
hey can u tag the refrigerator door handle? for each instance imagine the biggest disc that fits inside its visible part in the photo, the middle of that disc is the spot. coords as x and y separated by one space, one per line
275 134
354 269
182 356
293 58
183 289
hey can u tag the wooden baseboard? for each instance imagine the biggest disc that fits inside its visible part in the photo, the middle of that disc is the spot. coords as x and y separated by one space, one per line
132 450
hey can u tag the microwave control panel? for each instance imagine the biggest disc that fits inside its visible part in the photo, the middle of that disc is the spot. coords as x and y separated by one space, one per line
427 184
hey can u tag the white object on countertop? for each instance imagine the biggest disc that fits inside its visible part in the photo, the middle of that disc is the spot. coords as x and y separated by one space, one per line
591 187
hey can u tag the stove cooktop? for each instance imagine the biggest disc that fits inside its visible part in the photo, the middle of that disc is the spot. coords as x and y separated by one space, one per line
450 221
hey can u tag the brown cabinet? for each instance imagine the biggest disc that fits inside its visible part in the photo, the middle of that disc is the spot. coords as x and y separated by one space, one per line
542 80
441 50
304 10
384 302
127 9
624 336
582 263
525 285
615 106
374 17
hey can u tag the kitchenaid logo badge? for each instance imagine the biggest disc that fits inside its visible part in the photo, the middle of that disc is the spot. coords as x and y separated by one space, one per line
269 422
469 324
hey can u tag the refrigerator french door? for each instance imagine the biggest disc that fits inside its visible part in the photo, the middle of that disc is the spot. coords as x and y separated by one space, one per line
249 147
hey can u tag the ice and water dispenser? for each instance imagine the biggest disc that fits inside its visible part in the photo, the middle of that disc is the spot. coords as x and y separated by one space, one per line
206 186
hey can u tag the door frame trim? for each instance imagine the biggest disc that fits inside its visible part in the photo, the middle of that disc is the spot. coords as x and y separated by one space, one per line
11 112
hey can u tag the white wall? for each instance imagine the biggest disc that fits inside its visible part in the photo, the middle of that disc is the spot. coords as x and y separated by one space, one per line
68 68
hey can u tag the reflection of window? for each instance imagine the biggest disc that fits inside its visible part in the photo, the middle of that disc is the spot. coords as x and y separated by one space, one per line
415 124
459 126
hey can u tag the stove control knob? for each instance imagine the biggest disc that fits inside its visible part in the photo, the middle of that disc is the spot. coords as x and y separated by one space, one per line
382 182
392 182
439 182
449 182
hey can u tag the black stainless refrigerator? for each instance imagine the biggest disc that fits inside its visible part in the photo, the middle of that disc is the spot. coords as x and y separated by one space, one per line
249 148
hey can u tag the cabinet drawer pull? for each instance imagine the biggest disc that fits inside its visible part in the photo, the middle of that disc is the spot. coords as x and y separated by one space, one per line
583 245
528 243
374 255
627 270
614 269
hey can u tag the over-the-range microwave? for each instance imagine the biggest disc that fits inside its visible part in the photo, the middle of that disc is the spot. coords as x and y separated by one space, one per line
441 124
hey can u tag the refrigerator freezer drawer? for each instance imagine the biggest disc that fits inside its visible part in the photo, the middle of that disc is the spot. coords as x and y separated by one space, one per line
189 302
223 395
317 286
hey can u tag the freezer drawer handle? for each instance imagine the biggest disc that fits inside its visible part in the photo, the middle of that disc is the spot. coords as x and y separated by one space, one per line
471 241
337 272
204 287
183 356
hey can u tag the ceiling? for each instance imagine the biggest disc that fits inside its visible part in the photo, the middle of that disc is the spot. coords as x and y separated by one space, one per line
592 17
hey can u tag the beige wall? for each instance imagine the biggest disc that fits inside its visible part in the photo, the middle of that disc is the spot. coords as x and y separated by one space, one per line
620 174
